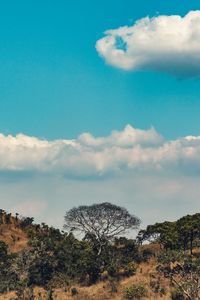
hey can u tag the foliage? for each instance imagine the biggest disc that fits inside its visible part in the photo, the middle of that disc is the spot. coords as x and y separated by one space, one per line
163 233
100 222
156 287
146 254
74 291
183 234
177 294
135 291
56 258
184 273
8 278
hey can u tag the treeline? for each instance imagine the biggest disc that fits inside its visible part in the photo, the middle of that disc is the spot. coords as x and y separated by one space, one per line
183 234
58 259
54 259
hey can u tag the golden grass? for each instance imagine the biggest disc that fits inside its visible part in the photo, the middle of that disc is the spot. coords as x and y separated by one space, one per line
103 290
14 237
17 240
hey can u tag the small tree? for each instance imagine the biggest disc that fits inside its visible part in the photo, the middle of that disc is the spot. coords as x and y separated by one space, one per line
135 291
184 273
102 222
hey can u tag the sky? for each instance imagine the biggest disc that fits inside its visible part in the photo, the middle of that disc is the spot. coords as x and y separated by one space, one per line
99 101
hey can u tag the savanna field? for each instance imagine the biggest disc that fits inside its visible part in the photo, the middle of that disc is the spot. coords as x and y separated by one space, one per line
41 262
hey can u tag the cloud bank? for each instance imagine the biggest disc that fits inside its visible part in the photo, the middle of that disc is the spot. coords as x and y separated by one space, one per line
133 150
169 44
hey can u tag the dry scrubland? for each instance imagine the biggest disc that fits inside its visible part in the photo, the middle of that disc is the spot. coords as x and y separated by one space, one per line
17 240
28 249
103 290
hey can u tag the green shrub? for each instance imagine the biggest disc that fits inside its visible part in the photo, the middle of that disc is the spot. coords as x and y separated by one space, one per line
162 291
147 254
177 295
130 269
135 291
156 287
112 270
74 291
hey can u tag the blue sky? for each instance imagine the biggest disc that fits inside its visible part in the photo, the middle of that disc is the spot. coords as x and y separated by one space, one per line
53 84
65 104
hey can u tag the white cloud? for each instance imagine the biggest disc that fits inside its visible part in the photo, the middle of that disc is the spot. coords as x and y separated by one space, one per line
168 44
130 149
154 178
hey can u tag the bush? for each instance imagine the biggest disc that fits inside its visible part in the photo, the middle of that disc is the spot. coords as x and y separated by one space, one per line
147 254
170 256
74 291
135 291
156 287
162 291
112 286
130 269
177 295
112 270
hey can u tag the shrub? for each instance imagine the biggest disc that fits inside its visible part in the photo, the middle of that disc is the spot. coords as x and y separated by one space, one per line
170 256
112 270
147 254
162 291
74 291
155 285
130 269
135 291
112 286
177 295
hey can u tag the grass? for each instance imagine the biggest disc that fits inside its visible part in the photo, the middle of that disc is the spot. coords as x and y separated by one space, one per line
17 240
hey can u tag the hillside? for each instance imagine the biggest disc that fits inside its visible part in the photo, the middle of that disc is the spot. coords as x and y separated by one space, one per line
40 262
14 237
103 290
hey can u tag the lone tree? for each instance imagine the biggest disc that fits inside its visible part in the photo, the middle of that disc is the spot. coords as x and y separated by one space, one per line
102 221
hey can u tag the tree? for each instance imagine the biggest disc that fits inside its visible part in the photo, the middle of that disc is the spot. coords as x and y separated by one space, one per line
100 222
183 271
182 234
8 278
21 266
163 233
188 228
26 222
135 291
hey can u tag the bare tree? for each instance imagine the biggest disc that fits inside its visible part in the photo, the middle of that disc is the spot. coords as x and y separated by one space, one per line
102 221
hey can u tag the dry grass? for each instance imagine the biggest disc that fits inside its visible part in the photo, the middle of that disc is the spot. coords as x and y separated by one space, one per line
103 290
14 237
17 240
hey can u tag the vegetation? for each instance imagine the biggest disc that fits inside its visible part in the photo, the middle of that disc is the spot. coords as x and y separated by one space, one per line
183 271
55 259
100 223
136 291
183 234
177 294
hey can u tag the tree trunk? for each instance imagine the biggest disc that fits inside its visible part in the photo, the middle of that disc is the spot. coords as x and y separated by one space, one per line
50 294
191 242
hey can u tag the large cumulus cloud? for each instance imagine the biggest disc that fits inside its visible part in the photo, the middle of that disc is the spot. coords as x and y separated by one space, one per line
131 149
168 44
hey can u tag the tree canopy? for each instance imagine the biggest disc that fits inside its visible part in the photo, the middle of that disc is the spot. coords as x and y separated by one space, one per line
181 234
102 222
